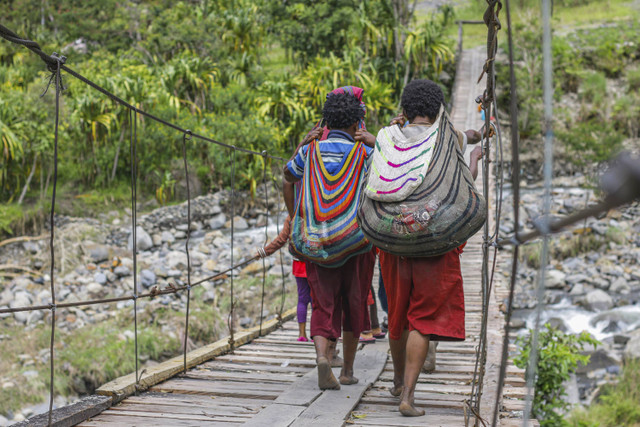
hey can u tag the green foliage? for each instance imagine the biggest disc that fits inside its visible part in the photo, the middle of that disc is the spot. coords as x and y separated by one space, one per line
594 88
592 141
617 405
558 357
633 79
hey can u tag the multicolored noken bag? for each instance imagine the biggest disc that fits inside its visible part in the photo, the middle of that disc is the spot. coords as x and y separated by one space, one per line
420 199
325 230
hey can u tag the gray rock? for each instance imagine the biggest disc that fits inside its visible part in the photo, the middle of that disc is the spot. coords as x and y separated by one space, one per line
147 278
601 283
31 247
34 317
554 279
167 237
632 351
111 276
558 323
98 253
176 260
576 278
239 223
94 288
157 239
620 286
122 271
598 300
217 221
143 240
181 235
577 290
100 278
245 322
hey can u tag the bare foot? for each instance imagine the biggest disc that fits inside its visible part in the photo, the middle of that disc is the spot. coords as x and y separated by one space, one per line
408 410
326 379
396 390
348 380
337 362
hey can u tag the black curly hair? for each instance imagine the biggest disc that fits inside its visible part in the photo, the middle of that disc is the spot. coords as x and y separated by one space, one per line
342 110
422 98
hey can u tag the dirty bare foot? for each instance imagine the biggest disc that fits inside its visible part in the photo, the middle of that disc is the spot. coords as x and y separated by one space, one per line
408 410
396 390
326 379
430 362
337 361
347 378
407 406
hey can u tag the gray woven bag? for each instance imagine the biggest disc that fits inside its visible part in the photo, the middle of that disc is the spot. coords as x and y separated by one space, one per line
443 212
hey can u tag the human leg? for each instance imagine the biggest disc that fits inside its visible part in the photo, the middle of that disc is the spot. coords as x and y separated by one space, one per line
398 357
304 298
416 353
322 322
357 276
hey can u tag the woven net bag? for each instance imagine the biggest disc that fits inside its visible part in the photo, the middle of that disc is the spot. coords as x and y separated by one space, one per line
442 211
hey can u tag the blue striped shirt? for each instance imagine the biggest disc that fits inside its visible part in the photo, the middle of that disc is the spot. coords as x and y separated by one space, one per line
333 149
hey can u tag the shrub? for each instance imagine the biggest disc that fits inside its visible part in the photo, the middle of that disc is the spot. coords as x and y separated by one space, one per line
594 88
558 357
633 79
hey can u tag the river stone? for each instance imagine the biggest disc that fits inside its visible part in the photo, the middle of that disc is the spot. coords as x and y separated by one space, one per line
100 278
632 351
147 278
601 283
157 239
554 279
122 271
620 286
176 260
180 235
168 237
576 278
598 300
217 221
239 223
143 240
34 317
577 290
98 253
94 288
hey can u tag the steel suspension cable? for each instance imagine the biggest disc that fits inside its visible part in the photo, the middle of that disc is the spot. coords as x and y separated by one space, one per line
515 183
266 235
187 137
52 306
547 96
233 213
133 147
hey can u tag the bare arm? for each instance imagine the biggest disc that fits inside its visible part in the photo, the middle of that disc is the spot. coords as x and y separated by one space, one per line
474 158
288 191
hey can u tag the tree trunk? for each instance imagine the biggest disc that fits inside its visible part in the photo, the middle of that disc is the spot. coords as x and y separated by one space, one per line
115 160
26 184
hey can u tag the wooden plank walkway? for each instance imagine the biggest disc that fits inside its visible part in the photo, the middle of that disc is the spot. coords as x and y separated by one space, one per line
272 381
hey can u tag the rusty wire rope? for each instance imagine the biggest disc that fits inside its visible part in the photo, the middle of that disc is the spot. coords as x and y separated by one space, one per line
55 65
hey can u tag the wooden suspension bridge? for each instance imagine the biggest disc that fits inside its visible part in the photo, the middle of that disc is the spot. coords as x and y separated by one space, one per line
270 379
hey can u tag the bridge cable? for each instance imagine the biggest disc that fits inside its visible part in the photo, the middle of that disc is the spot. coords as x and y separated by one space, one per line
52 306
51 64
266 236
492 21
187 137
515 183
284 288
233 214
133 147
547 90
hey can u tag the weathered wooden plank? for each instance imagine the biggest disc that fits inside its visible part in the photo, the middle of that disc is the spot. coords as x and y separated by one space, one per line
122 387
72 414
334 406
254 367
276 415
262 377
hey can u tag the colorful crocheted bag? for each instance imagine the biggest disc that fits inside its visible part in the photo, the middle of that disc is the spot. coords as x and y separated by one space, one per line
420 199
324 227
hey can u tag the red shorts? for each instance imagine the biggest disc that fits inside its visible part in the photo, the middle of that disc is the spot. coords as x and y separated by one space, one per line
340 296
299 268
425 294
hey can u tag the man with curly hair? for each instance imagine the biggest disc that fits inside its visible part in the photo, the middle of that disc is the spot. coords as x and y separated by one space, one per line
339 294
424 294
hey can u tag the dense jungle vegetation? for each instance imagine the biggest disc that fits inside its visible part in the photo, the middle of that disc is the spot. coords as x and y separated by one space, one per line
249 73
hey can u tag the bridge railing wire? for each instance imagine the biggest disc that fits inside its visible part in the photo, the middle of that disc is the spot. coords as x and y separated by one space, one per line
55 65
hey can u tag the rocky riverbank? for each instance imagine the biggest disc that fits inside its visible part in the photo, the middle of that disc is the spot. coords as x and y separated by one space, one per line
94 261
593 279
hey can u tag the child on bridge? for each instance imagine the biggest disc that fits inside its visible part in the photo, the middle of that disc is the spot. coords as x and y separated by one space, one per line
340 293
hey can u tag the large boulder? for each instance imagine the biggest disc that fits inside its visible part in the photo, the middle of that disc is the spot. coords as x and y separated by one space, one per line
632 351
143 240
598 300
